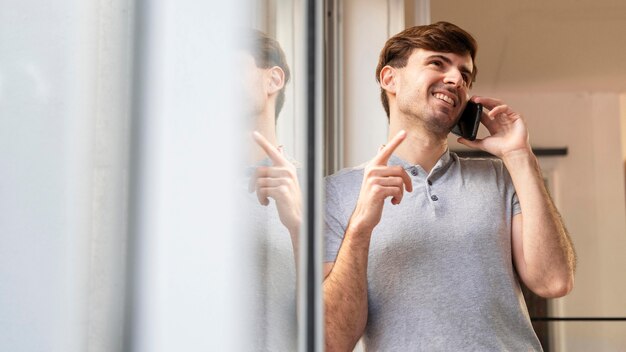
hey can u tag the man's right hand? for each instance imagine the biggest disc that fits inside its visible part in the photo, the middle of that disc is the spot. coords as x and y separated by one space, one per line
379 182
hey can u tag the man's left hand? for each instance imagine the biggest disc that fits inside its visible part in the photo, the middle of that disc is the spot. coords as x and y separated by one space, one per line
507 129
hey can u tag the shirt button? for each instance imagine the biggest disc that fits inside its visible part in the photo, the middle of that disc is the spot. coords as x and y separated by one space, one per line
414 171
434 198
430 183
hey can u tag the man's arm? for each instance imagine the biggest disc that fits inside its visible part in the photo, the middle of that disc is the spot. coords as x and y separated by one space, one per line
345 293
543 253
345 280
542 249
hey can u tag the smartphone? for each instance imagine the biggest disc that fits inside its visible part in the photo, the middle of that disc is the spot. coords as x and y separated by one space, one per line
467 126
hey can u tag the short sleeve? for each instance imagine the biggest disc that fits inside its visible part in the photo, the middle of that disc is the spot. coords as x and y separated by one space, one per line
516 207
511 193
334 227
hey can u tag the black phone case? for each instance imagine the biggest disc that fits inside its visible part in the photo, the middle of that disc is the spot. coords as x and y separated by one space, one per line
468 124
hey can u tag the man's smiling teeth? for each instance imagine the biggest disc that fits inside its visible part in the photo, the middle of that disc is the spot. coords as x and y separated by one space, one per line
444 97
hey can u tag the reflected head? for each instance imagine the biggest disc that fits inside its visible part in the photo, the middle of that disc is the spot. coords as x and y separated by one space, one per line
267 53
443 37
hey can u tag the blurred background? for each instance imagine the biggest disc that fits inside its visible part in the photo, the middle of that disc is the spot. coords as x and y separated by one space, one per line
125 221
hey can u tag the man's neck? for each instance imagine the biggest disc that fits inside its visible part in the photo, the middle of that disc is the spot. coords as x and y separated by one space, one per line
421 147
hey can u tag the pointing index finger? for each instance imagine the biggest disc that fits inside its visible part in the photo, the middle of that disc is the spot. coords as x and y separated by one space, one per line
272 152
385 153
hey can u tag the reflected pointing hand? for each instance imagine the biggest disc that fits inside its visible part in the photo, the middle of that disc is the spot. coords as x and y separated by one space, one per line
280 182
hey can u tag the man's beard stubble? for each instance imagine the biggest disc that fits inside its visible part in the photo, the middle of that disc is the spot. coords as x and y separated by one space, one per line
437 126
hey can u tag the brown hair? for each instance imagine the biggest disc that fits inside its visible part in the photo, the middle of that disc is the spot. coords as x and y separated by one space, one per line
444 37
267 53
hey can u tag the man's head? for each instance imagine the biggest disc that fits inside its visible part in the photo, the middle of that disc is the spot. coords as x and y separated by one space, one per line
441 37
269 57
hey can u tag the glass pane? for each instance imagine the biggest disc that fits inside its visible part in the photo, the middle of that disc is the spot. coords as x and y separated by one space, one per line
141 212
276 129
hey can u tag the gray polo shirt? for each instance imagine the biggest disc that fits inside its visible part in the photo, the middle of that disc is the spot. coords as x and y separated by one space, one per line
440 272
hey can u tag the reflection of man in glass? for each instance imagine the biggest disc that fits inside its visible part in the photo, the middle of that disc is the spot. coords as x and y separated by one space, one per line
273 184
267 74
437 267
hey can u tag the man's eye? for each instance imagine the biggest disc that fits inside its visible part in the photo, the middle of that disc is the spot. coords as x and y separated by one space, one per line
436 63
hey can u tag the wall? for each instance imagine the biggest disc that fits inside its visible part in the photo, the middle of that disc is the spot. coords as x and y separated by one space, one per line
366 28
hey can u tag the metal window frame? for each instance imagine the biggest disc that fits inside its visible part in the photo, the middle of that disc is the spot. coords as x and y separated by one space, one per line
311 328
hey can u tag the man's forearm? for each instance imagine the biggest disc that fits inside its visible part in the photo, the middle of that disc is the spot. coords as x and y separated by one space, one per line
345 292
548 260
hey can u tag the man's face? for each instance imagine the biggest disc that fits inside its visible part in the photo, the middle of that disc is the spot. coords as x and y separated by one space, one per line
433 87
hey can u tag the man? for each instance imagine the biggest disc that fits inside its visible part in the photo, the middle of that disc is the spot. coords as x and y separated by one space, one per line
424 250
273 201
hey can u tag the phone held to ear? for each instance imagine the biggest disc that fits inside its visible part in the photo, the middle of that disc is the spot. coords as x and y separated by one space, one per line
467 127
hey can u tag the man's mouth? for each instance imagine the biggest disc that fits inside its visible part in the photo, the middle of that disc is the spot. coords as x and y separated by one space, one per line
445 98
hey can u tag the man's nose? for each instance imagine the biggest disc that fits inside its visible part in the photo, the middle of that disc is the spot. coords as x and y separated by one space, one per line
454 77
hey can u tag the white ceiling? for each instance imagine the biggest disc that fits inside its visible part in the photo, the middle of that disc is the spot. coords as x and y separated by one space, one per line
550 45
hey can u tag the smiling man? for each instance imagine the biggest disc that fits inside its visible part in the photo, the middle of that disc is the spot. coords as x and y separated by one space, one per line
424 249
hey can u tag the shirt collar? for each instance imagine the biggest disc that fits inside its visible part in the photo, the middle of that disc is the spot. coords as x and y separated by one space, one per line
442 163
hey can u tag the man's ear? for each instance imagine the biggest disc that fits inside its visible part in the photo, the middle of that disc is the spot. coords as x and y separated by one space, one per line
276 79
388 79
